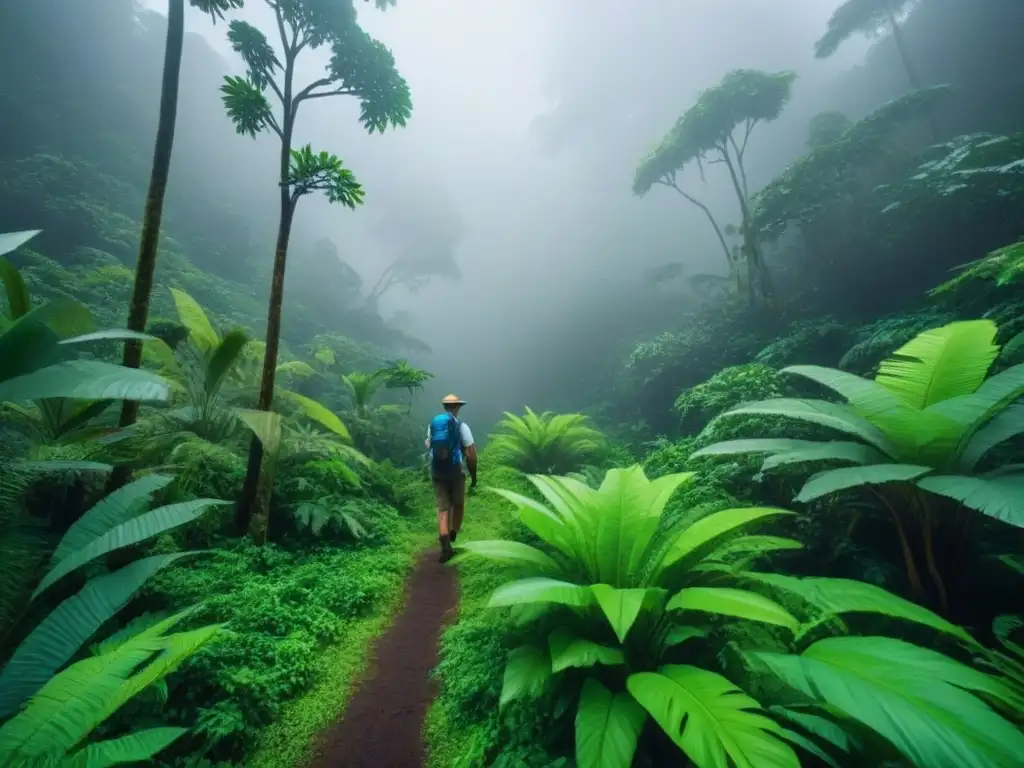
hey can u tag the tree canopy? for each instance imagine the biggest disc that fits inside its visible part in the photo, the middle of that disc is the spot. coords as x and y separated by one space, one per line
820 176
865 17
744 98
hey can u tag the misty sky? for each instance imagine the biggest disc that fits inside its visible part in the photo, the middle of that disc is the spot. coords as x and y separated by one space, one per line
544 233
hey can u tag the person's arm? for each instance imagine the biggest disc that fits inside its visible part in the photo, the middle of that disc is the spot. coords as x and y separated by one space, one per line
470 448
471 464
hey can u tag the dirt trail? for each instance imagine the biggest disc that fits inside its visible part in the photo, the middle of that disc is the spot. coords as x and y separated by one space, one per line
382 722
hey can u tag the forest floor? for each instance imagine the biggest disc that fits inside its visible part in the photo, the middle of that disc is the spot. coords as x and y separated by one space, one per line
382 724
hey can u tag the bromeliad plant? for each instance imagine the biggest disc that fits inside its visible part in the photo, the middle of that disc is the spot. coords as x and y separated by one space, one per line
635 590
625 590
920 432
547 443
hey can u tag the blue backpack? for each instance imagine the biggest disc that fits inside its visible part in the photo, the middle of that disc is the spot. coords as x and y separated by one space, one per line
445 443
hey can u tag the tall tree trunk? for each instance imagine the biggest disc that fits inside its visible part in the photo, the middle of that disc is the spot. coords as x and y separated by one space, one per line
711 218
251 490
908 66
145 266
756 268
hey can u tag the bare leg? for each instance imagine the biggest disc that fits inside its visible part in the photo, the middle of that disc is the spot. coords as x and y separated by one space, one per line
442 522
457 511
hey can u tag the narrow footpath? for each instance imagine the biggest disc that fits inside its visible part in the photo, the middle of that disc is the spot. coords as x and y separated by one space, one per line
381 726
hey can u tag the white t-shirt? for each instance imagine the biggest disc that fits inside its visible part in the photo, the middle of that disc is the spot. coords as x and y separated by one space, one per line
464 433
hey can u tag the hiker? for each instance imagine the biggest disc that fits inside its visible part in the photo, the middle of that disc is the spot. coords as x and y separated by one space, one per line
452 455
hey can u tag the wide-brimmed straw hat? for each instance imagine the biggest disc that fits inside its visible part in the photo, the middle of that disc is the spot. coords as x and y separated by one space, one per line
452 400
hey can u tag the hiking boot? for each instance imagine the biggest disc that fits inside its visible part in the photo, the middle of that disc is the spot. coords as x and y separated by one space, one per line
454 535
446 549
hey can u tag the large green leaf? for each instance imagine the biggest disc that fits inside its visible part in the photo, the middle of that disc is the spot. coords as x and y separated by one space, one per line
622 606
10 241
266 425
834 480
120 505
710 719
842 418
511 553
526 674
177 648
57 716
136 747
625 512
109 335
831 450
754 544
1001 497
221 359
132 531
570 650
840 596
319 413
918 699
738 603
57 637
541 590
539 519
194 318
753 445
869 398
607 727
27 346
18 300
1002 427
941 363
706 535
86 380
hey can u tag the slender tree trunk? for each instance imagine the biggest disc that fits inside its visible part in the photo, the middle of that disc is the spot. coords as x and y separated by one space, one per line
711 218
251 490
757 269
912 77
145 267
897 38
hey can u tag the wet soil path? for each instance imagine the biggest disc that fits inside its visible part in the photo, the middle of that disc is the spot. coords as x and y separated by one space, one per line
381 726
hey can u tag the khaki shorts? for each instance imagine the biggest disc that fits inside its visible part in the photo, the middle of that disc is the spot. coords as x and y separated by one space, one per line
450 492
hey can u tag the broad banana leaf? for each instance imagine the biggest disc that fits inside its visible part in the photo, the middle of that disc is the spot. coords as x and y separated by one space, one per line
622 606
136 747
839 596
194 318
57 637
834 480
10 241
1001 497
86 380
117 507
18 300
55 718
570 650
918 699
1002 427
527 673
132 531
710 719
607 727
510 553
738 603
541 590
842 418
109 335
707 534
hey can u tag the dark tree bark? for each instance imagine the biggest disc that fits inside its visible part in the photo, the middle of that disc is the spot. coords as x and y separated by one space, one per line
138 312
251 496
